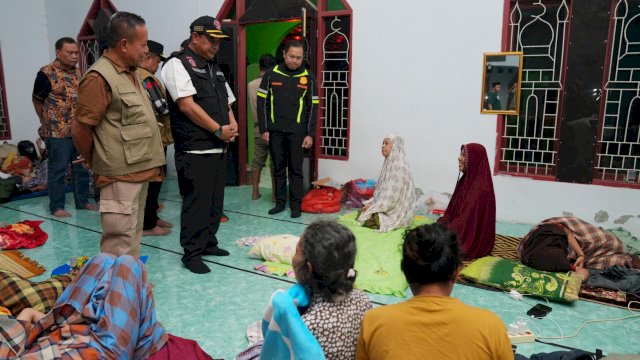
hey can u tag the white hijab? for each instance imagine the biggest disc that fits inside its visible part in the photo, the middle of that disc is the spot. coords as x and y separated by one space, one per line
394 196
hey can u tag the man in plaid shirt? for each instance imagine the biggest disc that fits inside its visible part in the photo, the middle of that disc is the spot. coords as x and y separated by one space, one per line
153 225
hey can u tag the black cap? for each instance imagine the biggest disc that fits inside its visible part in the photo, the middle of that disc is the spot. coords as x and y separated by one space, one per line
208 25
156 48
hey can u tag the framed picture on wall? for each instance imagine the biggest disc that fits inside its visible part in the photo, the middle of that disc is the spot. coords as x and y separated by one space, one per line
501 81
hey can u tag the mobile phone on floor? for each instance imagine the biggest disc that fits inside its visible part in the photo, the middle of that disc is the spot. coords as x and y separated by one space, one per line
539 311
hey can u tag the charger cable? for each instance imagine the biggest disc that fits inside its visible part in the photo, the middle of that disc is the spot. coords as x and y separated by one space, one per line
518 296
634 314
515 295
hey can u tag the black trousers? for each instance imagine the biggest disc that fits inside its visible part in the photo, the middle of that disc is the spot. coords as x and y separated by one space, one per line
151 207
201 178
287 155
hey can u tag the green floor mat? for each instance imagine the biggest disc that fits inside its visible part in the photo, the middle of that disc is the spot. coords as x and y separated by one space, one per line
378 258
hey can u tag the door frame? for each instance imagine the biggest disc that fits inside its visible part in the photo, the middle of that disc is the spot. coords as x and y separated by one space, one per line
322 13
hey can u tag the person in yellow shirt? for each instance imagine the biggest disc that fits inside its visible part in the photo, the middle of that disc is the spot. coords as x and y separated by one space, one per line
432 325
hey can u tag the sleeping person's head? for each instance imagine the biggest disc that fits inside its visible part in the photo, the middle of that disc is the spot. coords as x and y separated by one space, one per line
324 260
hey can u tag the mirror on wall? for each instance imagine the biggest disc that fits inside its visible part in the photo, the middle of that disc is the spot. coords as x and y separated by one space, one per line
501 82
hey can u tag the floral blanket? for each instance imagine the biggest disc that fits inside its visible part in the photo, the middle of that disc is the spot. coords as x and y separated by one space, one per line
23 235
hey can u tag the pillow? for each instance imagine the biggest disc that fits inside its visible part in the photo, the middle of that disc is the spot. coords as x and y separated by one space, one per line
277 248
508 274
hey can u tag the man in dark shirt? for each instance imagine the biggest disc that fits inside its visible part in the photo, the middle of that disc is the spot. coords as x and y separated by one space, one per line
55 93
493 100
153 225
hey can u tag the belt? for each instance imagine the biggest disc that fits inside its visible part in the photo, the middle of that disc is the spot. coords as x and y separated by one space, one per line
210 151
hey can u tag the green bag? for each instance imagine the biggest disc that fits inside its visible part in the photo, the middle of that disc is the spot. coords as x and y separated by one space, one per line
8 187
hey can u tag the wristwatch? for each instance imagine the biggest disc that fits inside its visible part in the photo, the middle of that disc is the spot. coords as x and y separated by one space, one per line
218 132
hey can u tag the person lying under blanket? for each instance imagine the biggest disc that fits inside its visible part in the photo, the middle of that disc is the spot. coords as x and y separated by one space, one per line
561 242
107 312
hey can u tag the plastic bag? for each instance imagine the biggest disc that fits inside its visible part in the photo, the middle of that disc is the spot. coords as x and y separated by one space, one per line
323 200
358 190
432 202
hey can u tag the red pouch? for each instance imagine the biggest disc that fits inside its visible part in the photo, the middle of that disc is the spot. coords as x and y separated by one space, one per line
323 200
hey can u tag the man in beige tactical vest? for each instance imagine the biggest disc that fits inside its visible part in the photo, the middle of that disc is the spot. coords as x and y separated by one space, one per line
117 135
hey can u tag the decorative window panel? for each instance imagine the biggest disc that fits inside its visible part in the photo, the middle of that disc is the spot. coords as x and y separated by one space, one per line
529 141
89 53
5 130
618 150
334 88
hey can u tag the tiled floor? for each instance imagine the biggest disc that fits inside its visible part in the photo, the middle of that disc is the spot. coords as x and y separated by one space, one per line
215 308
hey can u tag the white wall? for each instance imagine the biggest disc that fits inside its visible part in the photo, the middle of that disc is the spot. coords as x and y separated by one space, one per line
168 21
402 84
25 49
64 18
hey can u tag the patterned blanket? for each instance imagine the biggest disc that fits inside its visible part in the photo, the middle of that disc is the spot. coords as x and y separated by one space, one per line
19 293
106 312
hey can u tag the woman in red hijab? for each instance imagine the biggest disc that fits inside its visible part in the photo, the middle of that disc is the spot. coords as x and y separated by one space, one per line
471 213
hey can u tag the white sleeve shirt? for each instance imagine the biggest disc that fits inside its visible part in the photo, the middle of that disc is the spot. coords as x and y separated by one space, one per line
178 82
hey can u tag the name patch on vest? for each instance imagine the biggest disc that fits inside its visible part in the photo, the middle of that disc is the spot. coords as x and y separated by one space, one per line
276 83
198 70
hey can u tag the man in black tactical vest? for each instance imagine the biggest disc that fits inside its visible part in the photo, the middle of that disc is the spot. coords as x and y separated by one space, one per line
287 112
202 123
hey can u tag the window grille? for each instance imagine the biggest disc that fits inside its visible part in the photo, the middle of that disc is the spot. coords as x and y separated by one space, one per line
334 88
529 141
618 151
5 129
89 53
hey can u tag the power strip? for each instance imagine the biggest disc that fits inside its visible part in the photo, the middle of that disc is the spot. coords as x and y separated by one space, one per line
527 337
